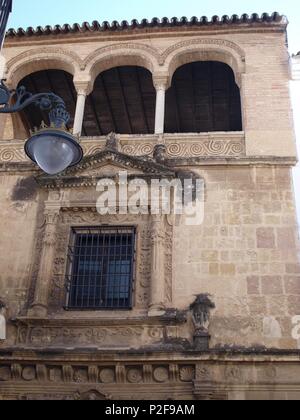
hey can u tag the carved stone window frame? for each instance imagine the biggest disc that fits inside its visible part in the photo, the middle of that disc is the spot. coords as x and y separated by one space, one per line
73 217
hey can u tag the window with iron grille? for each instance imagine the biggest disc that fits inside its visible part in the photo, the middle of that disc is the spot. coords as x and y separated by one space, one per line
101 267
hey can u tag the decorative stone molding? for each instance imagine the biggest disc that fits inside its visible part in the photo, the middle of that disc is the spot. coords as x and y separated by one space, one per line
206 50
12 153
121 54
178 145
40 304
35 59
85 375
38 376
102 332
202 148
201 309
204 41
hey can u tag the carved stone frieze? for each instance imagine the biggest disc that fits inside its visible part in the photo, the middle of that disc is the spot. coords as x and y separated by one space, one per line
100 374
212 145
104 337
185 149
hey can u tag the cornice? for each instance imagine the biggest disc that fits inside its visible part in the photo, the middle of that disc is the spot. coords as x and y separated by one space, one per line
254 21
13 168
140 35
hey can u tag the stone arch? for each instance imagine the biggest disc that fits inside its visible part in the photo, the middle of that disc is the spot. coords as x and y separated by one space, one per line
205 50
35 60
121 55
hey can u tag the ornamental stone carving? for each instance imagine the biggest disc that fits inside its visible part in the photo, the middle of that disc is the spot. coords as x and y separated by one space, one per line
161 374
177 146
135 376
107 376
187 373
29 373
201 309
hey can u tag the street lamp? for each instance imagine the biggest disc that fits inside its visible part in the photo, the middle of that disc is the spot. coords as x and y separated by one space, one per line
53 148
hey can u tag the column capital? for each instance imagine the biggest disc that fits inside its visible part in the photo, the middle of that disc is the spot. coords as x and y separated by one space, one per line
83 87
161 81
51 216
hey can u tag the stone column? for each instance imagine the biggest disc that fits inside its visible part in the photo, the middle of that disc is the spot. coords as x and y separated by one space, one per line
40 304
83 90
157 297
161 86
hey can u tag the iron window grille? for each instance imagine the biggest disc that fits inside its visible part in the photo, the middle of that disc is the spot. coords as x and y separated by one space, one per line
100 272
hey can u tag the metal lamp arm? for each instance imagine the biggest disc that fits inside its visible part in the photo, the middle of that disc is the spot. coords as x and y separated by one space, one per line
23 98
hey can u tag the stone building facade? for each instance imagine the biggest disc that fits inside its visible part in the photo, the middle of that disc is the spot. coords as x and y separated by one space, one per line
174 341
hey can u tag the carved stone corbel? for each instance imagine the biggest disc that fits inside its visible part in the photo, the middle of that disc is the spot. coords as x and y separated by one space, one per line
201 309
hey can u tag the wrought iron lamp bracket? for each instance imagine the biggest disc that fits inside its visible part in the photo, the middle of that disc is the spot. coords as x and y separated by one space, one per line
16 100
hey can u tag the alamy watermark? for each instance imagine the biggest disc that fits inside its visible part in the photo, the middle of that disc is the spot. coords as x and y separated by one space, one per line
180 196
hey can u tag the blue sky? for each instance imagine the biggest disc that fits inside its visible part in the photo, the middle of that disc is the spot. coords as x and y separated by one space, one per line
38 12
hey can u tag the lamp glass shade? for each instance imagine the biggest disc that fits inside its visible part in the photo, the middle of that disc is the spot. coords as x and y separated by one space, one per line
53 151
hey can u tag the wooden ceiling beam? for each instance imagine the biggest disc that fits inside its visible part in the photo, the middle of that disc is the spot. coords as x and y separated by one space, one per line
193 96
92 102
177 112
107 99
141 99
123 97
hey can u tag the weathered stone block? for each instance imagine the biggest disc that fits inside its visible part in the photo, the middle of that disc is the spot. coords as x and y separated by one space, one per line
265 238
253 285
271 285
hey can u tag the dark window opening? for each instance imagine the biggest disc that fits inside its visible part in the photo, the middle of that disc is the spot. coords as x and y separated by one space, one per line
101 267
122 101
204 97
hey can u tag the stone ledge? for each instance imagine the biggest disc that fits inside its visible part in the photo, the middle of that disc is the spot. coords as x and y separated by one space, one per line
289 161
